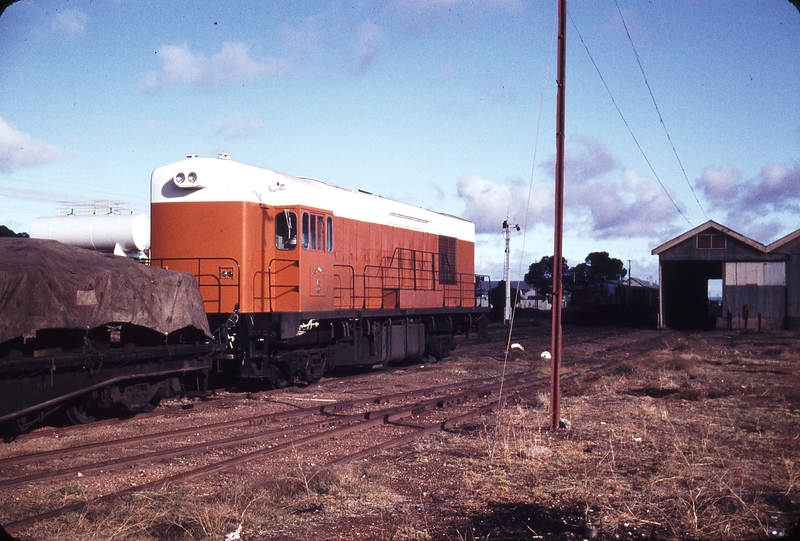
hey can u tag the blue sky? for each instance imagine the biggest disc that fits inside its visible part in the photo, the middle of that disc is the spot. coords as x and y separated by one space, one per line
449 105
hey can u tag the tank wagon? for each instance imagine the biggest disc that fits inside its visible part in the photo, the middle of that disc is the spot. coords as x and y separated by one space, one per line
302 276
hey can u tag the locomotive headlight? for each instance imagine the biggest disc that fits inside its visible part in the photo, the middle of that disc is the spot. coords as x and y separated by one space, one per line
189 181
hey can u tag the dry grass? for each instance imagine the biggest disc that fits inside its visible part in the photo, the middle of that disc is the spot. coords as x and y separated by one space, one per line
697 440
650 454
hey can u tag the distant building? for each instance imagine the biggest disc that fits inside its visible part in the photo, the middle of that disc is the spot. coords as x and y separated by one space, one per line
530 299
760 283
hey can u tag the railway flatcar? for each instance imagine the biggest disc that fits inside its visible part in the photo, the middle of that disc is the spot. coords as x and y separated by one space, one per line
302 276
85 333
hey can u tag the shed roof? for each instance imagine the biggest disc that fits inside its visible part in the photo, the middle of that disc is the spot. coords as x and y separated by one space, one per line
711 224
783 241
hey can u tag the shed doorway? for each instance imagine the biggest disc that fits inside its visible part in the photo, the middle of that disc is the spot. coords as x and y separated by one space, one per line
685 298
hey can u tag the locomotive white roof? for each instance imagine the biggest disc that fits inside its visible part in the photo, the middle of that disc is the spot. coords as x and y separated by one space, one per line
222 179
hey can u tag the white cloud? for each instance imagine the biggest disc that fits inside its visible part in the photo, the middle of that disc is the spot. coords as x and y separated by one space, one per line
764 232
307 40
489 203
71 22
776 187
602 199
631 206
719 185
18 149
587 159
607 200
237 126
232 64
749 205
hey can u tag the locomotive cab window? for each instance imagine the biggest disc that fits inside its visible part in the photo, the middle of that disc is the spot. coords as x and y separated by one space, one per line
286 230
329 234
313 232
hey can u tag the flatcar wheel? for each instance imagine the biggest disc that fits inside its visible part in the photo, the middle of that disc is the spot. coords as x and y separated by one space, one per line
79 414
279 376
152 405
21 424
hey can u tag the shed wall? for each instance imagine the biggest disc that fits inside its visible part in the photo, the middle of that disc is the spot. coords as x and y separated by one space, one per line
769 301
791 254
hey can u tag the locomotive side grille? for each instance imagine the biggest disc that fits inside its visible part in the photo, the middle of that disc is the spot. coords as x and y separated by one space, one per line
447 260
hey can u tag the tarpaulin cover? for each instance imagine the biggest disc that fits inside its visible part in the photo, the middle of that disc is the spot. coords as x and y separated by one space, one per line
45 284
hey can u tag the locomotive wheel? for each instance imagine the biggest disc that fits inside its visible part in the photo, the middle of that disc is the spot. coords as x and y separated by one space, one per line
279 376
314 368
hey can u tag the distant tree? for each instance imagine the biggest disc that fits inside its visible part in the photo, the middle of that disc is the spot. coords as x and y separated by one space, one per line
497 298
6 232
599 266
540 276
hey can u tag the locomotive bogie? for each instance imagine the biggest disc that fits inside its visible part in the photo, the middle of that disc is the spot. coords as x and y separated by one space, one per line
332 344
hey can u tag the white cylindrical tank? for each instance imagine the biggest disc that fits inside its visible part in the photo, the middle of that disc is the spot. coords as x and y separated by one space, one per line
96 232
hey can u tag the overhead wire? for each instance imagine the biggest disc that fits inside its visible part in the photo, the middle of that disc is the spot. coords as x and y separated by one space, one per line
624 121
660 117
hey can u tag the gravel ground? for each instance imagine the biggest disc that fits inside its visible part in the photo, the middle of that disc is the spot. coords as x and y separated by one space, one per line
686 436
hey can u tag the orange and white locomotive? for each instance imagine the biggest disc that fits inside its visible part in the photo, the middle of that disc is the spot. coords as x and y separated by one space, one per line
304 276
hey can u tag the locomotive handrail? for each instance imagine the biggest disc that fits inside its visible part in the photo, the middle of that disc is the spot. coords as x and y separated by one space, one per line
481 293
404 270
423 271
373 292
455 295
207 281
277 290
461 294
337 290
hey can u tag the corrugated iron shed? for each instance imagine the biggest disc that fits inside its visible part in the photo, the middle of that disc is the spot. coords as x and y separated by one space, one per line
760 284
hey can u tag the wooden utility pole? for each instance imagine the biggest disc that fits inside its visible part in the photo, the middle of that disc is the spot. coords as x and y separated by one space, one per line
558 290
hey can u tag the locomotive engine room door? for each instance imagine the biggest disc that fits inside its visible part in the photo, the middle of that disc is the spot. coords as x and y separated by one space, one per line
316 261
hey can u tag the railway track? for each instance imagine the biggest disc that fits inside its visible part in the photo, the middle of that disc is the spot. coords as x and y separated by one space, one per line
392 420
317 425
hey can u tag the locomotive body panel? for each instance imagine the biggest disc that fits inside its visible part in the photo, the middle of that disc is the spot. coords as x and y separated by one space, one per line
303 246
